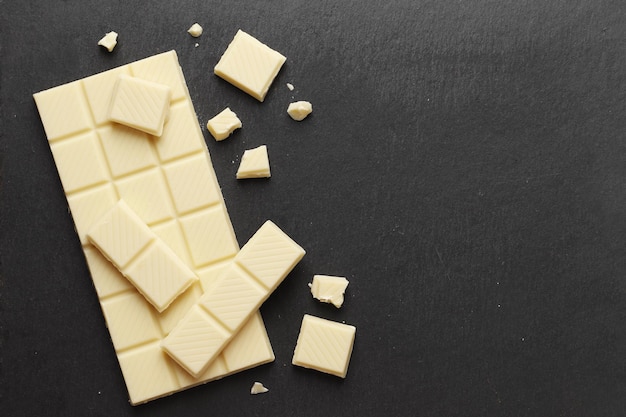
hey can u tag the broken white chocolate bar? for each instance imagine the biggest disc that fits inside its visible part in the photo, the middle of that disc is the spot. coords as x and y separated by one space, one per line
149 264
324 345
329 289
170 183
223 124
140 104
249 65
254 164
241 288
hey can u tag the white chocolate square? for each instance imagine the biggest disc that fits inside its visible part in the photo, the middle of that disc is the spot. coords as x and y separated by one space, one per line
126 149
147 194
149 373
249 65
193 184
66 112
254 164
79 162
324 345
140 104
226 305
208 236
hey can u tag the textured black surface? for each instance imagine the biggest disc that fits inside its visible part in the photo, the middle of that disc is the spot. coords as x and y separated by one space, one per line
464 167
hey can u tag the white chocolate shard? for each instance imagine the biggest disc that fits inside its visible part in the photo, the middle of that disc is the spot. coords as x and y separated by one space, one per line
109 41
223 124
299 110
254 164
290 86
195 30
241 288
249 65
140 104
149 264
100 162
258 388
329 289
324 345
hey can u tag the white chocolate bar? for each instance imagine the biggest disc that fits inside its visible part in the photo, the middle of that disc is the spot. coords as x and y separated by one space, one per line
140 104
329 289
241 288
324 345
254 164
170 183
223 124
249 65
141 256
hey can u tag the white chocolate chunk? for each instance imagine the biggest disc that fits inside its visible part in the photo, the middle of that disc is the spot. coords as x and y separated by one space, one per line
290 86
324 345
254 164
299 110
240 289
223 124
73 111
149 264
140 104
258 388
329 289
109 41
195 30
249 65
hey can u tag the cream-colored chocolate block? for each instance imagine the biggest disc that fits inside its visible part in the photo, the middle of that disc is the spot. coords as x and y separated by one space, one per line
80 162
299 110
148 195
193 183
148 371
223 124
269 255
140 104
130 320
148 263
324 345
99 89
249 65
329 289
224 308
254 164
66 111
181 134
127 150
160 275
209 236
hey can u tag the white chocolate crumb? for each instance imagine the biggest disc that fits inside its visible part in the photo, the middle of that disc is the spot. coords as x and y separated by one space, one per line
195 30
197 44
109 41
258 388
299 110
329 289
290 86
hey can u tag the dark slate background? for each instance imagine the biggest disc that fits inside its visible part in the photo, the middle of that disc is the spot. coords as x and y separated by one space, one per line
464 167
